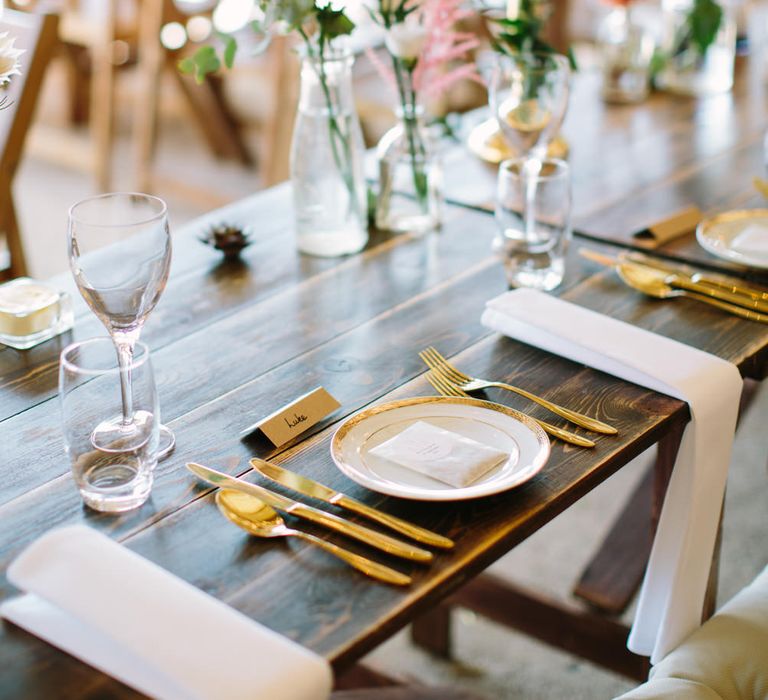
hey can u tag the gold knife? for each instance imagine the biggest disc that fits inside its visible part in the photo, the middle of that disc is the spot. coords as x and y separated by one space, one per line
680 281
333 522
308 487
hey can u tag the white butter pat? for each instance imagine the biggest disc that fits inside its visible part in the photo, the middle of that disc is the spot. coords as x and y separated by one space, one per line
441 454
753 240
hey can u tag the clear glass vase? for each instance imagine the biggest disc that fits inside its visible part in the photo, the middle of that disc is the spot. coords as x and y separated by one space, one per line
410 187
327 159
687 71
626 50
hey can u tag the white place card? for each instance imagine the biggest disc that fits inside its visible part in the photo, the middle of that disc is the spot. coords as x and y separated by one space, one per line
292 420
446 456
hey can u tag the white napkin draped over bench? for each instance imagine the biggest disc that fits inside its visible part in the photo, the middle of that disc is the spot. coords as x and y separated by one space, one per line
131 619
672 595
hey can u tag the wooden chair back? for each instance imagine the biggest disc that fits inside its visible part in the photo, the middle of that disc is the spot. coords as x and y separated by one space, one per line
37 36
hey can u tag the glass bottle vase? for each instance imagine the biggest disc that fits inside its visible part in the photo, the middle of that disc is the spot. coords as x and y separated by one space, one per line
626 49
687 71
327 153
410 176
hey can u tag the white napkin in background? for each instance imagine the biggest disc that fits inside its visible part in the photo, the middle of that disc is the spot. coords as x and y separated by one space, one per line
131 619
672 595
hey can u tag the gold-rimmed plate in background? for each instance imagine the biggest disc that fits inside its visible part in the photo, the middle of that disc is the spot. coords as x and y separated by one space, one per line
740 236
487 143
489 423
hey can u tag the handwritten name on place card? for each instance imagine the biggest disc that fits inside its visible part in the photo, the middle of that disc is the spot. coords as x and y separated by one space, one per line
292 420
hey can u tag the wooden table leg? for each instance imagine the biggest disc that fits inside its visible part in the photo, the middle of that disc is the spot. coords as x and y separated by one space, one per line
432 631
613 576
101 111
150 68
278 127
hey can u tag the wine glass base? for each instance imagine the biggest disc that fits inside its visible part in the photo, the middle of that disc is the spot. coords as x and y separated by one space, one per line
115 435
167 443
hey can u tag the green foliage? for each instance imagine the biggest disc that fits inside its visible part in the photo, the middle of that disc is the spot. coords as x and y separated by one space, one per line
390 12
201 63
333 23
522 35
230 49
292 13
704 22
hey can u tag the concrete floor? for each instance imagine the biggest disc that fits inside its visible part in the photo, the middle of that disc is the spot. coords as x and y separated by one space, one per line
488 659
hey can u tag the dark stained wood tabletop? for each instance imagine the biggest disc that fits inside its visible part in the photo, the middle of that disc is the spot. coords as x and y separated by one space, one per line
634 165
234 341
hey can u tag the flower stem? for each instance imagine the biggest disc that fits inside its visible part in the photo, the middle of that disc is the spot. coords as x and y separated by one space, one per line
336 135
416 150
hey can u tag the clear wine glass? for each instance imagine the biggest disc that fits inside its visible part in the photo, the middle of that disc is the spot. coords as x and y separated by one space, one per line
529 96
120 253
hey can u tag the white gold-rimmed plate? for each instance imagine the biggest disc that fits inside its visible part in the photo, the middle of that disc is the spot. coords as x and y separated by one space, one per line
489 423
720 234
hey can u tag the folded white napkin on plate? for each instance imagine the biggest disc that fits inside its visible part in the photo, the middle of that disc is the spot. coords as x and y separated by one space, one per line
753 240
454 459
672 594
131 619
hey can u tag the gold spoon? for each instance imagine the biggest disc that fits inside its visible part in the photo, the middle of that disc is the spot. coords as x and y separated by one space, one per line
257 518
653 284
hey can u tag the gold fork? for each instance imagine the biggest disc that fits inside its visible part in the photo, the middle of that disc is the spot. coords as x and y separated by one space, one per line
439 365
446 388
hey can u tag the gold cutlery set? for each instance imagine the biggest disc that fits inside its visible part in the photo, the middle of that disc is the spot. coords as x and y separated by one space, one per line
253 508
664 281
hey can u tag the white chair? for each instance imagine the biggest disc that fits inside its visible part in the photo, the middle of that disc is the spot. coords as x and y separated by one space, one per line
725 659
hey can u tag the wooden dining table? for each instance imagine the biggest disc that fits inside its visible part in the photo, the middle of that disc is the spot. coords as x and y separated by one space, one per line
234 341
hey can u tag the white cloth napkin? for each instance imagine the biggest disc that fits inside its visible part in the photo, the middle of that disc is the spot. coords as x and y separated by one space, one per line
131 619
672 594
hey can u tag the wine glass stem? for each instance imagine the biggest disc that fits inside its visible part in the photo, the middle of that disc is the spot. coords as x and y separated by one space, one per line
124 361
531 170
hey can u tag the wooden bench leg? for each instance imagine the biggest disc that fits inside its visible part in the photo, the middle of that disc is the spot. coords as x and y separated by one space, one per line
432 631
582 633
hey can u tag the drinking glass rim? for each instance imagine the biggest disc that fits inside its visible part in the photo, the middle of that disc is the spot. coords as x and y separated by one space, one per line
159 215
561 164
139 358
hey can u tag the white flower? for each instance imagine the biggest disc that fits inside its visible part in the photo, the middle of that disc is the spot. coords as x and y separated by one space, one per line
9 58
406 40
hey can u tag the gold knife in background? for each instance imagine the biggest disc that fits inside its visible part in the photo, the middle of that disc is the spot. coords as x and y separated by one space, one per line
680 281
730 284
333 522
308 487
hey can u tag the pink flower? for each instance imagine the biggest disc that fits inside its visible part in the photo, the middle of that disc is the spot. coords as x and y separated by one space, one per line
442 58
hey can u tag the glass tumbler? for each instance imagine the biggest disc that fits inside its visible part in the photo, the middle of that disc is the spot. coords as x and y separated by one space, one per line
115 476
535 258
